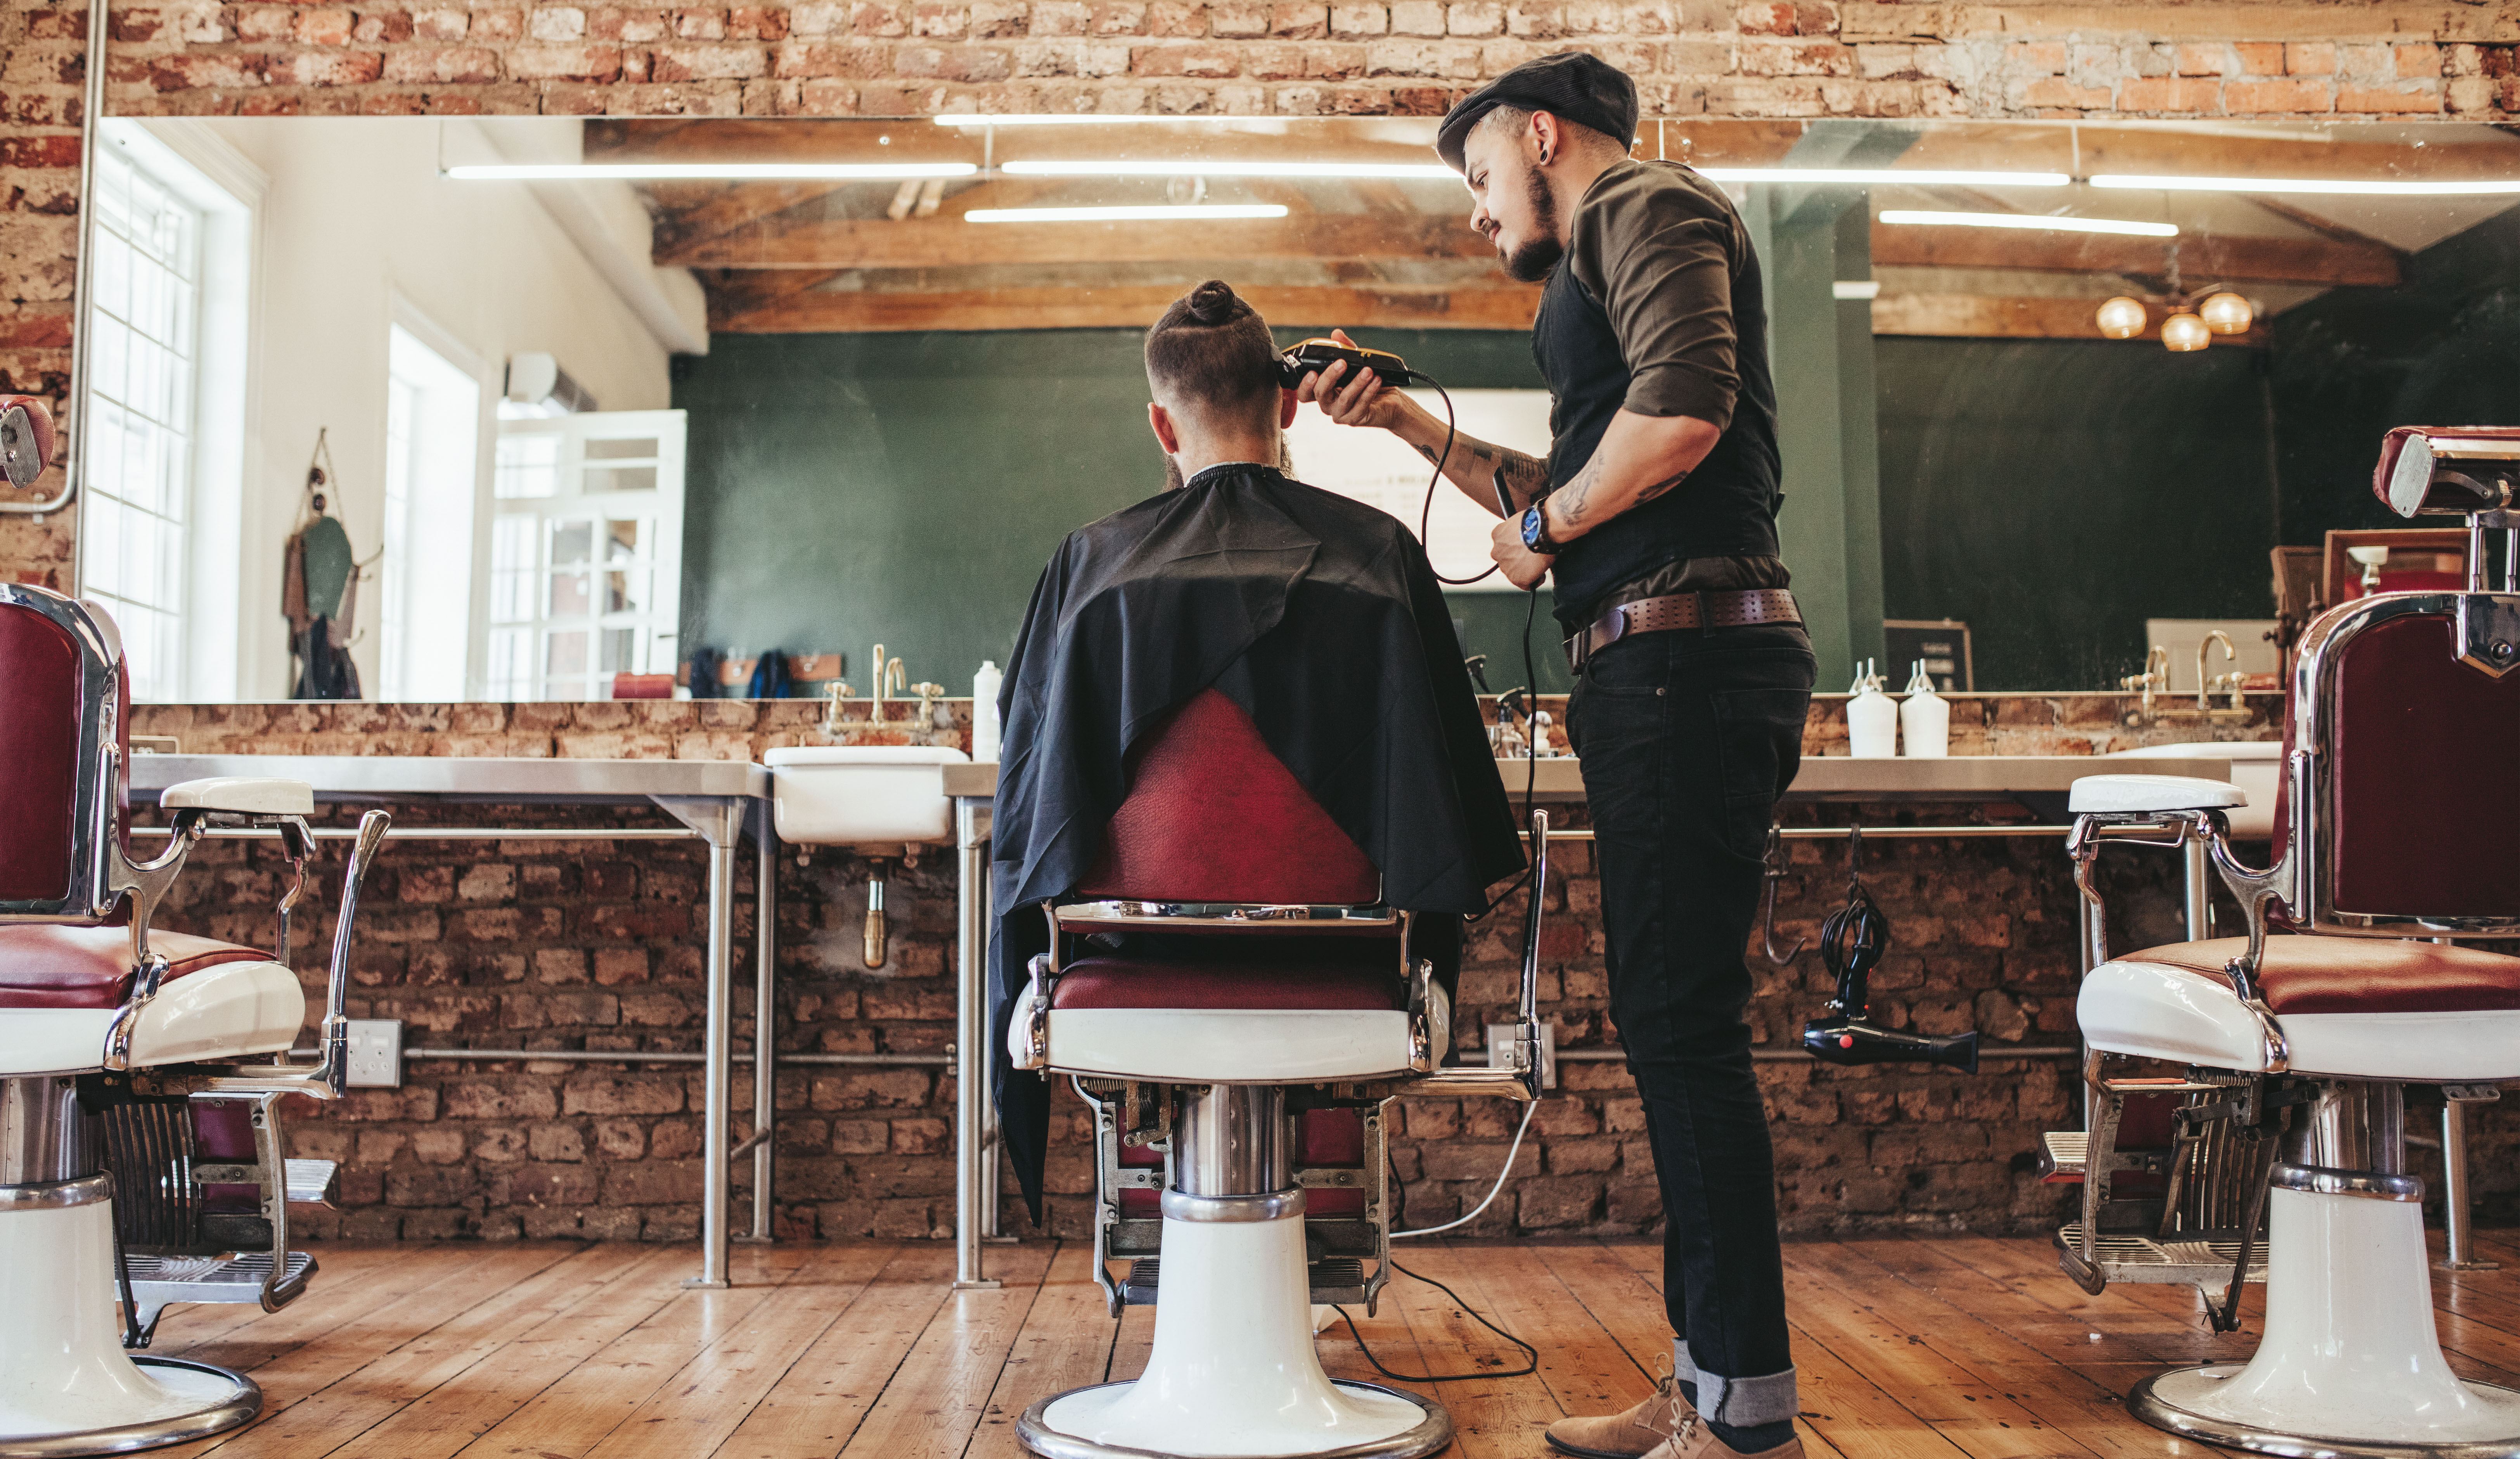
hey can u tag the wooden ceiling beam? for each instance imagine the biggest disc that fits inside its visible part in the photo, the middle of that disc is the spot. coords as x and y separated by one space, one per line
948 241
1506 307
2202 258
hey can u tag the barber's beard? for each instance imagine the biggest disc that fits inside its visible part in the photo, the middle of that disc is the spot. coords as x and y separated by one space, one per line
1531 262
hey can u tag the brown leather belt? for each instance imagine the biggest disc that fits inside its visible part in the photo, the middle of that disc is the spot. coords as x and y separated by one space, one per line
1727 610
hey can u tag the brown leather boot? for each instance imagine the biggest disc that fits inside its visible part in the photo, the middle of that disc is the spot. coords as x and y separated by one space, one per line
1692 1440
1624 1435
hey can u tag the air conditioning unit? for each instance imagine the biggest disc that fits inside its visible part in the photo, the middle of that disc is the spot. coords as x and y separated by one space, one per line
538 386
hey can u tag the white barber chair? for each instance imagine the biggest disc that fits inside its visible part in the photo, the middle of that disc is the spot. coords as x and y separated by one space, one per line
2392 839
1238 1052
140 1156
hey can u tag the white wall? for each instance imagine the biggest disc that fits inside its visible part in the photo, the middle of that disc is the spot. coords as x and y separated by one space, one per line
360 233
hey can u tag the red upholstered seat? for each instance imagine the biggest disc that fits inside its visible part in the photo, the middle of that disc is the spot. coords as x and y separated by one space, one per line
49 965
1214 816
1233 982
2304 975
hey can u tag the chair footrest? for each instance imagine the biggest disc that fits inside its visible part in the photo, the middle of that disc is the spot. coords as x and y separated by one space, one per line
159 1280
2063 1154
2207 1262
314 1182
1333 1280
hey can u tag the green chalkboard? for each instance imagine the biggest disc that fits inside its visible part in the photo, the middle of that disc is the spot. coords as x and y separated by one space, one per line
846 490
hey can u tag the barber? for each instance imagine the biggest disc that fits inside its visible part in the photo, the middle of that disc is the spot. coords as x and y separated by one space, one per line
1655 515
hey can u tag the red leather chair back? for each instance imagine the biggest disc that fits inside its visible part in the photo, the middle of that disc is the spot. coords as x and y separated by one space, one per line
2424 786
39 755
1213 816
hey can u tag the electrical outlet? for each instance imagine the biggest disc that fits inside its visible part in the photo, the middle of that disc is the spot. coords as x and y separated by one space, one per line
375 1053
1501 1046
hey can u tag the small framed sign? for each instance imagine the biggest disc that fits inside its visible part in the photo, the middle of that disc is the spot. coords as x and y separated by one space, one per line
1941 643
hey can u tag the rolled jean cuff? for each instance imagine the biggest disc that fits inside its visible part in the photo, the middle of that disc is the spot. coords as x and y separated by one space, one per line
1742 1402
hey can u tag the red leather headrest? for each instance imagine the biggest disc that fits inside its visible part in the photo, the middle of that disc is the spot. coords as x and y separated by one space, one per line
2447 470
1213 816
39 422
39 736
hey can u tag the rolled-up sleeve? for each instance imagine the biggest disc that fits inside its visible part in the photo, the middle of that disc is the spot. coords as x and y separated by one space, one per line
1660 259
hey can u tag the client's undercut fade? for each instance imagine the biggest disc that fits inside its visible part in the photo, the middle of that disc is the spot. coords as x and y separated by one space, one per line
1211 353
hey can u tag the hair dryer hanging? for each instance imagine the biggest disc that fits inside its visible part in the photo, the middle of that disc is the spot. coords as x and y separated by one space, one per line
1852 942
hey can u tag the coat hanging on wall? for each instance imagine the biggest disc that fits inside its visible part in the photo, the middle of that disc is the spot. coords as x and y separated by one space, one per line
319 592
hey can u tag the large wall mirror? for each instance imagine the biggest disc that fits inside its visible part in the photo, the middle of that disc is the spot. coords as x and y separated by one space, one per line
587 395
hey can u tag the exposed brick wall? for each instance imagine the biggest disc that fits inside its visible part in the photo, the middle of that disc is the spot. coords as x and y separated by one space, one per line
597 944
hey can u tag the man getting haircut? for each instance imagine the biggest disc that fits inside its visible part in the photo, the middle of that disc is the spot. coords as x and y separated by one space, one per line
1316 615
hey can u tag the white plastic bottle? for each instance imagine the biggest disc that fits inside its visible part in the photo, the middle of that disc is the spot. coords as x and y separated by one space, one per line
984 713
1925 718
1871 718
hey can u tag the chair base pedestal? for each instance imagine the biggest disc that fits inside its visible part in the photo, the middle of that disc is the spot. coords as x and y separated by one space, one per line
1234 1371
2349 1363
2181 1402
67 1387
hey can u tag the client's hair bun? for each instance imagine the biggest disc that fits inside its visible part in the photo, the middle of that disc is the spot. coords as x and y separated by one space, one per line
1214 302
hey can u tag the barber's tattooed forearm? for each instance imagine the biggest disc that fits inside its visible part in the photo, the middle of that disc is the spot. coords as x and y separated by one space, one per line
1659 487
1576 497
1477 463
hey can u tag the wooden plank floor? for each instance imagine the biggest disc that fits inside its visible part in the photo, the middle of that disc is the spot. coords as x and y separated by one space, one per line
1908 1348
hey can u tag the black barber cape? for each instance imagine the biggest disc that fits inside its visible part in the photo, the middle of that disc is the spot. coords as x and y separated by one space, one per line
1321 617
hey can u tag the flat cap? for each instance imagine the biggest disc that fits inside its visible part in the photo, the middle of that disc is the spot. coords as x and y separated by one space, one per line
1575 87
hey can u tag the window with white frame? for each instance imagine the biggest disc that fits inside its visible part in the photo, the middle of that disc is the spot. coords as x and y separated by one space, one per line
144 327
432 428
585 553
165 345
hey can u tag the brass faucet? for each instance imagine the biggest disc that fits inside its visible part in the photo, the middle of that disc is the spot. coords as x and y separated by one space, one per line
928 693
2228 654
832 710
2153 679
888 674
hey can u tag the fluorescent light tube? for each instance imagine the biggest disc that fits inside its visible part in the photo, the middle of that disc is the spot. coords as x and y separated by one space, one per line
1855 288
2479 188
706 172
1893 177
1430 171
1162 212
2029 220
1038 120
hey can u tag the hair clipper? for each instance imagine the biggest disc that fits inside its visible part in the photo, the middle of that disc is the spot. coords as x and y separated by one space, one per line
1315 355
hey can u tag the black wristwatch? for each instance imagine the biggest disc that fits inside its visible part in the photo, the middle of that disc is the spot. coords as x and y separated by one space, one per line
1535 532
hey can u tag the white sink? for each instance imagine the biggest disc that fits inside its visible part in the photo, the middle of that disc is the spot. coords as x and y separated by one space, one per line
2256 767
861 795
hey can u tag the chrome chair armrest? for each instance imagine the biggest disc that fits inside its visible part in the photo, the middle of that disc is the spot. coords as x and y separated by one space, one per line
327 1077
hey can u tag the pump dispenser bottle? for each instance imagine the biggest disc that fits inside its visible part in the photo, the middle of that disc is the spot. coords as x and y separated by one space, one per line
1925 718
1871 719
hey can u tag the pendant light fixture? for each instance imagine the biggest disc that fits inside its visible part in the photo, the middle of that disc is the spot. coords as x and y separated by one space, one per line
2121 318
2183 332
2227 313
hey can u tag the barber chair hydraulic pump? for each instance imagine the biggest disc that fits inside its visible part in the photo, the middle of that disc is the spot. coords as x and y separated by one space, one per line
1852 942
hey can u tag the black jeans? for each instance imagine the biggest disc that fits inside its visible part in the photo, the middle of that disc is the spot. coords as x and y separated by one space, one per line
1688 738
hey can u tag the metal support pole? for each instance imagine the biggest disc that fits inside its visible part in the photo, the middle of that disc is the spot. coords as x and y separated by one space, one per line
972 1150
720 819
2455 1255
765 1021
2200 905
992 1147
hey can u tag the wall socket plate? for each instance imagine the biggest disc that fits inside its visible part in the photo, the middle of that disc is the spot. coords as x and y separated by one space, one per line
1501 1043
375 1053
